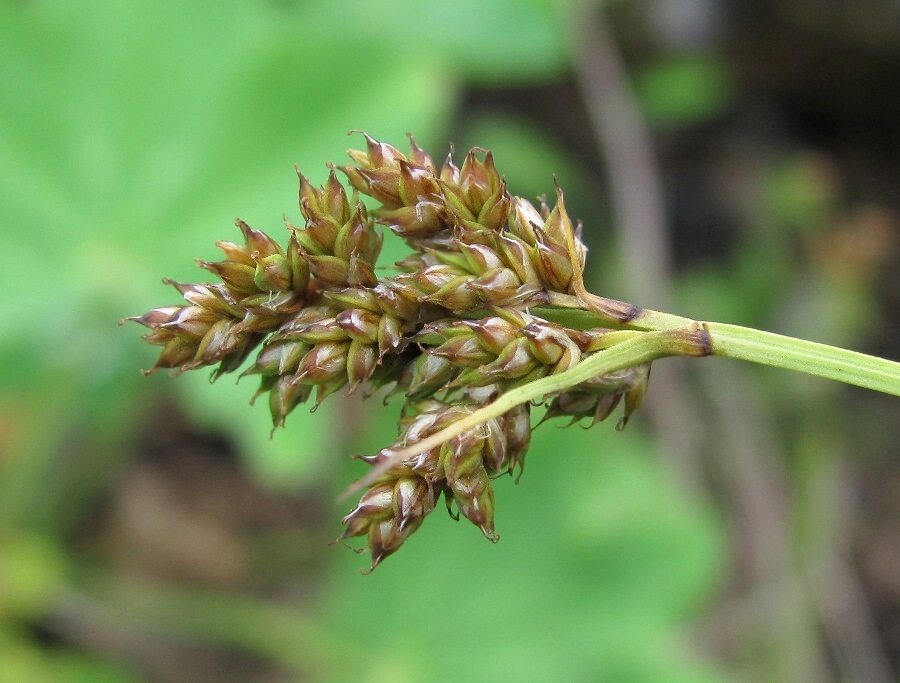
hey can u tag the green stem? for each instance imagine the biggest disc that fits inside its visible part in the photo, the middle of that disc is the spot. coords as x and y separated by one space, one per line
658 335
757 346
812 358
643 348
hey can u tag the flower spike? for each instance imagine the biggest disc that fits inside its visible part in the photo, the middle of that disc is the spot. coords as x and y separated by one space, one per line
485 318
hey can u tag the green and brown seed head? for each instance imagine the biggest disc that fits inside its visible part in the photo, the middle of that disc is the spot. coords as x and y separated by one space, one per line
262 286
389 512
342 342
462 469
507 349
339 240
447 328
596 398
407 188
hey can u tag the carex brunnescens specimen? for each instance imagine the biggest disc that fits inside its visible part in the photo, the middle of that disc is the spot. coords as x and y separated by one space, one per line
448 327
475 327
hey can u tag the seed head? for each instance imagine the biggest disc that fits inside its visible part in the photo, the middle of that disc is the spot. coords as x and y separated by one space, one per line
389 512
451 328
598 397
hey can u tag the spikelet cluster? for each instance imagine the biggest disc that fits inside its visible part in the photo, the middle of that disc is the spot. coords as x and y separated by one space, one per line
448 327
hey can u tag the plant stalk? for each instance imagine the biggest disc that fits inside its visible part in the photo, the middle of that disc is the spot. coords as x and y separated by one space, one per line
692 340
658 335
756 346
812 358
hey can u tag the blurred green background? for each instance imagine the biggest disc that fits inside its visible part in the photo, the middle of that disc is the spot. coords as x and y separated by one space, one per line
745 527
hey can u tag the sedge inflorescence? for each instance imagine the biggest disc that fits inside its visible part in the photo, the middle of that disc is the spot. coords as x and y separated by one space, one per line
449 328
